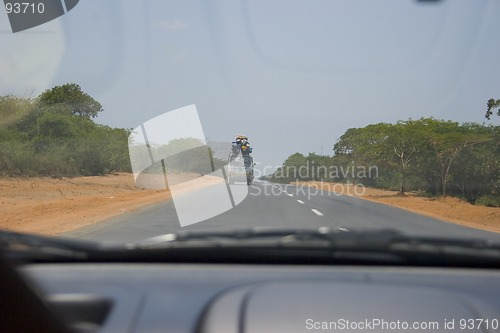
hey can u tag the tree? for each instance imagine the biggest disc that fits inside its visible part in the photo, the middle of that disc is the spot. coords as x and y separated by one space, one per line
70 98
405 140
363 145
492 104
477 170
293 164
55 126
395 147
364 148
427 150
449 139
478 173
318 166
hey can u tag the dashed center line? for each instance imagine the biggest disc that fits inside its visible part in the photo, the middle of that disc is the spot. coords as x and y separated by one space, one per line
317 212
343 229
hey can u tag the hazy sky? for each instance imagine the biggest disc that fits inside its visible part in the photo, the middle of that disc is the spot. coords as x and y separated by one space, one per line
292 75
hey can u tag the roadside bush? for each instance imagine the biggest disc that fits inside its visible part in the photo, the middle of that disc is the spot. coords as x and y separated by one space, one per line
54 135
488 201
15 158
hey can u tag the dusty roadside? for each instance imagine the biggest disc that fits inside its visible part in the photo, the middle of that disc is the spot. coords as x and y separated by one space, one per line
51 206
446 209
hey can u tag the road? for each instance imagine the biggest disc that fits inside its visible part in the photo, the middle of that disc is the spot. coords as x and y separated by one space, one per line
273 205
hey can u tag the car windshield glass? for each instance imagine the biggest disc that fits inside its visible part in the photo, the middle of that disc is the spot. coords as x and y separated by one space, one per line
125 121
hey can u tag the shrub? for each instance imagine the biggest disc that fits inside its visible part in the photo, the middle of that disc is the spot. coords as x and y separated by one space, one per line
488 201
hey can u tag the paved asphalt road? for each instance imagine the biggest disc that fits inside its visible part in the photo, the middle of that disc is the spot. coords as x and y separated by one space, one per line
273 205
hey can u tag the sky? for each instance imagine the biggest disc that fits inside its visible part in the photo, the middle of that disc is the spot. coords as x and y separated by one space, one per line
291 75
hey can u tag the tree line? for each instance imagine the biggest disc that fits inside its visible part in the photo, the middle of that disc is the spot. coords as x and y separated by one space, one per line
54 135
430 156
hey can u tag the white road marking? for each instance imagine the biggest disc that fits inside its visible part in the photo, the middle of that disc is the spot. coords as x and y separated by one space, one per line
300 201
317 212
290 195
343 229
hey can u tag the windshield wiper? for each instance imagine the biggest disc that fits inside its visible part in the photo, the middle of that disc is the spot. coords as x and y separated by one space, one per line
21 247
324 245
380 239
265 246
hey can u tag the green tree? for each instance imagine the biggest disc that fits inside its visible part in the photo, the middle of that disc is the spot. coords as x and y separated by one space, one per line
364 148
431 153
53 135
292 167
478 173
492 104
478 166
318 166
402 145
56 126
69 98
448 140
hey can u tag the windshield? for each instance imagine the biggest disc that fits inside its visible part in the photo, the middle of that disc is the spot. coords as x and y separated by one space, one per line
122 121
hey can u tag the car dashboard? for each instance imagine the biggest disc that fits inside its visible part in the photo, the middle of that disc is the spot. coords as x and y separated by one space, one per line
166 297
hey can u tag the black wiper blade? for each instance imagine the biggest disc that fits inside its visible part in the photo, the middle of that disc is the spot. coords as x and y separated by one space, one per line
277 236
325 245
27 247
448 251
380 239
265 246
